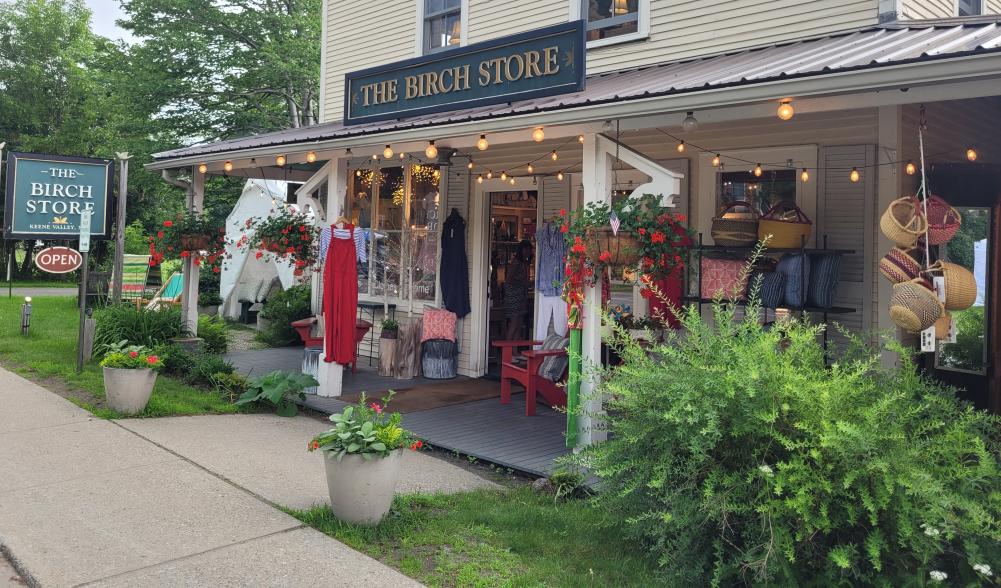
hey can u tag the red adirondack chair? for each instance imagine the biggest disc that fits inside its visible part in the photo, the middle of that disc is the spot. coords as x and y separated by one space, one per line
526 373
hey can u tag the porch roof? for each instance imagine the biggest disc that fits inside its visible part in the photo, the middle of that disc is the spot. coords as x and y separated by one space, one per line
885 46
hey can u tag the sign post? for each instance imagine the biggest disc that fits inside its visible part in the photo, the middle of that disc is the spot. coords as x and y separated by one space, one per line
85 252
123 187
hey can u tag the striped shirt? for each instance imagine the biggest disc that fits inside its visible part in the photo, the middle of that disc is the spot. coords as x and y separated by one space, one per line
552 251
333 232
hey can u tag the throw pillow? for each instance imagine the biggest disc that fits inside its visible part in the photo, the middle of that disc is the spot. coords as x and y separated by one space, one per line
823 279
438 324
552 368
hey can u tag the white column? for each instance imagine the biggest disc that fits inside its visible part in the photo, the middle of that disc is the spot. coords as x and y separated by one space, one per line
331 375
888 188
596 177
189 298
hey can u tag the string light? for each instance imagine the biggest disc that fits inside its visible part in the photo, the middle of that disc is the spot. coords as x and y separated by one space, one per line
554 156
716 160
538 135
387 152
348 152
559 176
854 176
681 147
512 181
202 168
757 170
910 168
280 161
481 143
503 176
490 174
804 175
311 157
470 164
228 166
403 156
971 154
479 179
357 173
431 152
786 111
580 139
375 157
530 168
690 123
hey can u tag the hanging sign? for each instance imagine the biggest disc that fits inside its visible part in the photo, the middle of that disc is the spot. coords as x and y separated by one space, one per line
58 260
46 195
543 62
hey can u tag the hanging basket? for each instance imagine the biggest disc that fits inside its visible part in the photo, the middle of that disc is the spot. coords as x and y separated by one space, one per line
736 229
960 285
914 306
623 247
943 221
902 222
788 226
194 242
898 266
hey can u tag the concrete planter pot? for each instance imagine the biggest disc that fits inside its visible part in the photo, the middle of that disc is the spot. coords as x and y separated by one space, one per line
128 391
361 491
210 310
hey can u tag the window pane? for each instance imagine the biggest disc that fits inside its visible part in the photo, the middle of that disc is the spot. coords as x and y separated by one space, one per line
359 211
423 238
391 199
443 31
772 187
969 248
386 271
433 6
970 7
610 18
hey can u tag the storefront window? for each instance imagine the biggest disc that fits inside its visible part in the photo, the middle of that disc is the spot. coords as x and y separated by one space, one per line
442 24
611 18
764 192
970 7
969 248
423 235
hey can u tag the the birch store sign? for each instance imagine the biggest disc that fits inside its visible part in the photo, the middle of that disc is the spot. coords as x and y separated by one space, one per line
543 62
47 193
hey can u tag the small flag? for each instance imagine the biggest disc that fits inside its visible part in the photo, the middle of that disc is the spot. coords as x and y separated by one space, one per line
613 220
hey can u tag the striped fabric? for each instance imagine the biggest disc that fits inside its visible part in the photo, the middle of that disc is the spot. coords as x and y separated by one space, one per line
772 288
135 270
361 236
552 368
796 269
823 279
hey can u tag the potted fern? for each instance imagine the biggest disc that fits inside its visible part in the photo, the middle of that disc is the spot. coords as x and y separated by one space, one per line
129 376
362 454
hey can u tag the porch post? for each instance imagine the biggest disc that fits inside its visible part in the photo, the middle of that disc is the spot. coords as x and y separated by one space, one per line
596 177
189 298
331 375
889 186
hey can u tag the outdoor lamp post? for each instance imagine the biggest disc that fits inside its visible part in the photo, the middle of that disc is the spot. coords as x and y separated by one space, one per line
26 315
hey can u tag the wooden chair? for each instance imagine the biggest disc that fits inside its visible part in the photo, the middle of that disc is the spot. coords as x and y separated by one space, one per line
525 371
169 294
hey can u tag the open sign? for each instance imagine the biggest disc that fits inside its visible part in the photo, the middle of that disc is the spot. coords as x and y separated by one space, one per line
58 260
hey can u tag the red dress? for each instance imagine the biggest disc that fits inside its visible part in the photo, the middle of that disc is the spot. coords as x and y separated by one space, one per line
340 296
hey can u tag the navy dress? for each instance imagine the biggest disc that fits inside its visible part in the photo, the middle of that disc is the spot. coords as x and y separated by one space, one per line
454 273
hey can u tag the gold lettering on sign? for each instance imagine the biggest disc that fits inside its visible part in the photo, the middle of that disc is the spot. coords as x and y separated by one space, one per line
379 93
551 66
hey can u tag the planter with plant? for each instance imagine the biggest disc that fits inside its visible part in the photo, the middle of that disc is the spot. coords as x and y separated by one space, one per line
285 234
390 329
208 303
189 235
129 376
362 454
282 390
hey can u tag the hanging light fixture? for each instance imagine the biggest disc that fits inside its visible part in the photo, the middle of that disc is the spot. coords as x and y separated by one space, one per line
620 7
786 111
403 156
554 156
855 176
481 143
479 179
971 154
538 135
431 152
375 157
490 174
681 147
804 175
202 168
470 164
357 173
690 123
512 181
910 169
311 157
228 166
530 168
280 161
559 175
454 36
716 160
757 170
387 152
580 138
348 153
503 176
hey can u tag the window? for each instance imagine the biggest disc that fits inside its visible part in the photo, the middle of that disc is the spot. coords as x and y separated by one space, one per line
970 7
442 24
611 18
774 186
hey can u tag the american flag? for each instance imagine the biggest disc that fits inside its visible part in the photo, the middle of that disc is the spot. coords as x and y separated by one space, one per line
613 220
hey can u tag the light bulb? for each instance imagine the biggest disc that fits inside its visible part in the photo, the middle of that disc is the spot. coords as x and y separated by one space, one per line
375 157
681 147
786 111
280 161
357 173
228 166
202 168
512 181
479 179
580 138
538 135
490 174
348 153
690 123
530 168
503 175
971 154
854 176
470 164
403 155
559 176
716 160
387 152
910 169
431 152
554 156
481 143
757 170
311 156
804 175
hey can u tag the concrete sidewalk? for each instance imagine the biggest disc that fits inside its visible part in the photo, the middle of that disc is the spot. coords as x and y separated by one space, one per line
87 502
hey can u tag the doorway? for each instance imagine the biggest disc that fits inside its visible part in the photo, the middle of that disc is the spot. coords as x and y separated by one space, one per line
971 363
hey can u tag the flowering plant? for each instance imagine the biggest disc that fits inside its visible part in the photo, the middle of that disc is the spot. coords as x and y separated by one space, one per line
188 235
285 234
134 357
662 237
365 429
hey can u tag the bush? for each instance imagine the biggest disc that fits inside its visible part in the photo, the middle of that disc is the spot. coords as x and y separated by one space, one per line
279 389
281 309
124 322
135 239
739 457
199 368
212 330
209 299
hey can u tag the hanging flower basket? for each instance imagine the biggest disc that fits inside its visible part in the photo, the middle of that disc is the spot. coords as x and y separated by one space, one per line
623 248
189 236
285 234
195 242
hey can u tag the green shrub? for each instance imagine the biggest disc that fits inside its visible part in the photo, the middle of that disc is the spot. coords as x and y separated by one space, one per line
169 267
740 458
212 330
124 322
209 299
231 384
281 309
279 389
135 239
199 368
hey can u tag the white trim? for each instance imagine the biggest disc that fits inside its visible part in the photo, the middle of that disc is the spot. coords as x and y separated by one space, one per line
316 180
642 25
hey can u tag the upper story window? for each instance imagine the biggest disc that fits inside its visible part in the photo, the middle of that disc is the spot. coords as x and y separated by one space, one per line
442 24
611 18
970 7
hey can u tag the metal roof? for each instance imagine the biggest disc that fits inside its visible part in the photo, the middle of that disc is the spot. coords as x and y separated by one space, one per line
883 46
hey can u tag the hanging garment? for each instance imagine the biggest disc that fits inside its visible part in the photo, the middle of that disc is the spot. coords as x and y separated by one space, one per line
340 295
661 306
550 308
454 273
552 260
360 238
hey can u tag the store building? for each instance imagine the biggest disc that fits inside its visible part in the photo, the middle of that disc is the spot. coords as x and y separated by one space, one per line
664 88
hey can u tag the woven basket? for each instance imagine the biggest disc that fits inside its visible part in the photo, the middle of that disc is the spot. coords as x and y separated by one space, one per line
902 222
898 266
624 248
914 306
943 221
960 285
788 226
942 326
735 229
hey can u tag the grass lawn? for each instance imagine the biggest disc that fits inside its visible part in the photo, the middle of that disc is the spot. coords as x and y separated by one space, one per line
496 538
40 284
47 355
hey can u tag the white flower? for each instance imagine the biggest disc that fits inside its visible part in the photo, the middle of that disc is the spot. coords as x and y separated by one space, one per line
937 576
983 569
766 470
931 531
